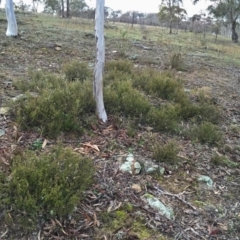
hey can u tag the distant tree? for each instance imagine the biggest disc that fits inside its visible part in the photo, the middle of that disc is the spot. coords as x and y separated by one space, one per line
77 7
100 61
135 15
151 19
229 11
115 15
125 17
216 29
22 6
51 6
35 4
12 29
170 11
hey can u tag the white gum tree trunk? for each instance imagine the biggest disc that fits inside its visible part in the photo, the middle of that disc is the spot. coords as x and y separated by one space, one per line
100 60
12 29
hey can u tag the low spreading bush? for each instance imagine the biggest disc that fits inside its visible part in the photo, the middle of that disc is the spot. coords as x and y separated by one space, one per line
223 161
77 71
53 104
206 132
60 106
164 118
162 85
121 97
46 186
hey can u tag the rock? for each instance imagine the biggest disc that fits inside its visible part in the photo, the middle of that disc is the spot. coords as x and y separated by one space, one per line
187 90
133 57
4 110
18 97
58 48
206 180
137 188
131 165
147 48
2 132
23 96
159 206
58 45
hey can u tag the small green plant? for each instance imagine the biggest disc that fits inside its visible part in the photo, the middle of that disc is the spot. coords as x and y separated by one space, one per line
77 71
177 62
46 186
123 34
206 132
37 144
223 161
235 128
131 129
167 153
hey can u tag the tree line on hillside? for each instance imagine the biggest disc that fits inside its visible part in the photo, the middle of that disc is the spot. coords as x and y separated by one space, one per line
223 15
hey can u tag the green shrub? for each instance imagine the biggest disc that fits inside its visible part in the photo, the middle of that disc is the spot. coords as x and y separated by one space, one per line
131 129
120 66
223 161
46 186
159 84
163 119
167 153
77 71
177 62
201 112
38 81
60 106
121 97
117 71
206 132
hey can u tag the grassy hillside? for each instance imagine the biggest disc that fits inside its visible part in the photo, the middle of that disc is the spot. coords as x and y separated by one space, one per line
172 102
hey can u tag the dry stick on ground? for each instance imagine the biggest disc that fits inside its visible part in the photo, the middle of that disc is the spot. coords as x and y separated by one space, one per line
176 196
187 229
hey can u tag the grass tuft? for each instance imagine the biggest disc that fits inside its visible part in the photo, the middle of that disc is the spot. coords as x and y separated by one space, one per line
206 132
223 161
167 153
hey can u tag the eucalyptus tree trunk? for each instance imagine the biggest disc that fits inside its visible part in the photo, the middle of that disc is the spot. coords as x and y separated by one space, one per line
68 9
234 33
100 60
12 29
62 10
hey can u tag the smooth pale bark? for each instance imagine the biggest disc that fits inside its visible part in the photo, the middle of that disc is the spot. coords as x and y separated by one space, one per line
12 29
100 60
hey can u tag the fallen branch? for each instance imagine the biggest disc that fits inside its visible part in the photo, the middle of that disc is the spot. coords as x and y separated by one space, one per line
176 196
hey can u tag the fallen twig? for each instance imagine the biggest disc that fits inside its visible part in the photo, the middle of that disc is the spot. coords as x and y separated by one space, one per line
177 196
188 229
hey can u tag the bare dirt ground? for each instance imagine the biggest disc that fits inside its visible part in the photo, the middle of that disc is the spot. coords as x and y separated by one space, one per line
200 212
